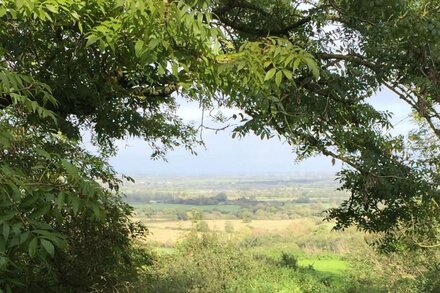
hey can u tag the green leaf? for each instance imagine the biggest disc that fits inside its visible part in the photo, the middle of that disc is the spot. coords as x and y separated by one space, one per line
138 47
7 216
270 74
3 263
60 199
160 69
312 66
287 74
55 238
30 201
48 246
43 210
52 8
153 43
70 168
24 236
2 11
42 152
14 241
6 229
91 39
296 64
33 246
74 201
289 59
97 211
279 78
175 69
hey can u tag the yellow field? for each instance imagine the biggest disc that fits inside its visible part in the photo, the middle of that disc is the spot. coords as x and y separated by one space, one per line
168 232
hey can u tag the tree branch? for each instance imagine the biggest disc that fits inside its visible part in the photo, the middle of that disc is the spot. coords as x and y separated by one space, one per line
355 58
221 14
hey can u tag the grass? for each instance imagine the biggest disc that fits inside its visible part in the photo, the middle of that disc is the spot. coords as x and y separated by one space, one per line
325 264
329 264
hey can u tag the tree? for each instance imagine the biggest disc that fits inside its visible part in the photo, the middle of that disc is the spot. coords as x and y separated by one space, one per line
202 226
182 215
60 228
359 48
114 68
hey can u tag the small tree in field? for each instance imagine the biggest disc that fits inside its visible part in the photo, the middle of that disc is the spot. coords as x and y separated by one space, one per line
202 226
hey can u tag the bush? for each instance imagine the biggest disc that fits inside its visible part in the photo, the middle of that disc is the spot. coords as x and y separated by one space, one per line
182 215
289 260
207 263
203 263
202 226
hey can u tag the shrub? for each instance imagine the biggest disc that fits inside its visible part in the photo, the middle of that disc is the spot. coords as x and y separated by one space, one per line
202 226
207 263
289 260
203 263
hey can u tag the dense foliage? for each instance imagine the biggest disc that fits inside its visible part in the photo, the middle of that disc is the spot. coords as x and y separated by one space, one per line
60 228
359 49
209 263
299 69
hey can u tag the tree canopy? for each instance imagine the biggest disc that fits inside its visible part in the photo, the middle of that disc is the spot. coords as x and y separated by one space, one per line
300 70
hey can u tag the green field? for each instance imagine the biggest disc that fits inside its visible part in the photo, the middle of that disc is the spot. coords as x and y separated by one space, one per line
264 188
185 207
258 235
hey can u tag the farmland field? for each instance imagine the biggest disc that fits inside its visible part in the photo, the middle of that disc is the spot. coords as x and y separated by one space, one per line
186 207
276 225
170 231
260 213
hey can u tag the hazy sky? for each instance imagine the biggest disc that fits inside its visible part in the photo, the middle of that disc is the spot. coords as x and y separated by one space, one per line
248 156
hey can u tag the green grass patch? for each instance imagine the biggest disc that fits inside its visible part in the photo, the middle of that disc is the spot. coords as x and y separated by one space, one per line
326 264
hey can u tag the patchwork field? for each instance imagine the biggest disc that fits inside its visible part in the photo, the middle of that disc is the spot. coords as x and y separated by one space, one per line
205 228
168 232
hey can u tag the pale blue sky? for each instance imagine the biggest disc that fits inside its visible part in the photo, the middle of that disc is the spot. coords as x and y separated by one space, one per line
248 156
